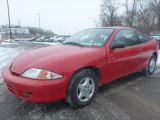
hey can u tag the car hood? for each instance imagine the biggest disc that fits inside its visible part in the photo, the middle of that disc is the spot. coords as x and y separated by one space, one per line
41 58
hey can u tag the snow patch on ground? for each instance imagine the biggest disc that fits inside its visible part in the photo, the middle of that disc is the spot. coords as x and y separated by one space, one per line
48 43
52 43
158 61
6 57
112 109
136 88
8 43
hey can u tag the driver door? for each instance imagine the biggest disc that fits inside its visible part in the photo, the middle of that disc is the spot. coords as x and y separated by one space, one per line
123 61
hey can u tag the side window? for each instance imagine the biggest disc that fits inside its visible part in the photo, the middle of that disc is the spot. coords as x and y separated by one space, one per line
142 38
126 36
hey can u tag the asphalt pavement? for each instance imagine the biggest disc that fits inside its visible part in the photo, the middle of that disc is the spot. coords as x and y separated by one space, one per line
134 97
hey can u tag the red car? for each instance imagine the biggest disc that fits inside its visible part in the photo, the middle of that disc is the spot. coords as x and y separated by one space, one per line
75 69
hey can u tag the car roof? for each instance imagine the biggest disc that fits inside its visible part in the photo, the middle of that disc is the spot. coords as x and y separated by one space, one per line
115 27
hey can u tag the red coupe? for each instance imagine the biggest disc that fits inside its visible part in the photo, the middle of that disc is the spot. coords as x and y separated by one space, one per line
74 70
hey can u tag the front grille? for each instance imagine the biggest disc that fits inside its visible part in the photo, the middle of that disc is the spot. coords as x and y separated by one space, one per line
12 88
19 92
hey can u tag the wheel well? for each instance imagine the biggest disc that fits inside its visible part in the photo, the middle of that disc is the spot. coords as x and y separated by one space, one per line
156 55
94 69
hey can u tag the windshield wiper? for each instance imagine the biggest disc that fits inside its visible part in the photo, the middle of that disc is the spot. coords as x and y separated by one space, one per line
73 43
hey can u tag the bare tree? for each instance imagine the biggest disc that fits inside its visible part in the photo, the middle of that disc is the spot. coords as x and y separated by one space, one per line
155 4
145 16
108 12
97 23
141 14
130 12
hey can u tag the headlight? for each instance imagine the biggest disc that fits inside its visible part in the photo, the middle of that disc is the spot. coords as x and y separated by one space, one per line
41 74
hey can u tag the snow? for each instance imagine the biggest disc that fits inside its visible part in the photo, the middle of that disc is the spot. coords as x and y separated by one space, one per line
8 52
7 43
158 61
49 43
6 57
7 40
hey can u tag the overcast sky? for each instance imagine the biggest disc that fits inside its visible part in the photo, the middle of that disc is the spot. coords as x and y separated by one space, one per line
61 16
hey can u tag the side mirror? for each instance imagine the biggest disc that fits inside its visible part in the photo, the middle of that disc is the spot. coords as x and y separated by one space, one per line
118 45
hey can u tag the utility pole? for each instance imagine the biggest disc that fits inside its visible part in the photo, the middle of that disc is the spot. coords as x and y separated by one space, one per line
10 32
39 20
19 24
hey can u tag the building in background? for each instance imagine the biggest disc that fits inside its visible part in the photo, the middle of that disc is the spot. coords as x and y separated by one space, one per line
16 33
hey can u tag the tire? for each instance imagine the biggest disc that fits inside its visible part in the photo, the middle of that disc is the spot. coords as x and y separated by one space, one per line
82 88
151 66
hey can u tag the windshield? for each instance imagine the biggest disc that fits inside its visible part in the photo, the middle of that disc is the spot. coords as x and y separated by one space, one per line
90 37
155 34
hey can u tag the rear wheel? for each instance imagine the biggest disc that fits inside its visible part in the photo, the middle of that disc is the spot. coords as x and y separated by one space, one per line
151 66
82 88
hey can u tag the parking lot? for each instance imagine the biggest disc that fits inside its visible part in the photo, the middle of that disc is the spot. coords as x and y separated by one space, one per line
134 97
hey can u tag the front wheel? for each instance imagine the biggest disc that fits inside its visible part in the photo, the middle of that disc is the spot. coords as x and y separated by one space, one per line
82 88
151 66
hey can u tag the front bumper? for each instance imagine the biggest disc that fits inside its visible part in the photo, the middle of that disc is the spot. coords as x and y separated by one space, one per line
35 90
